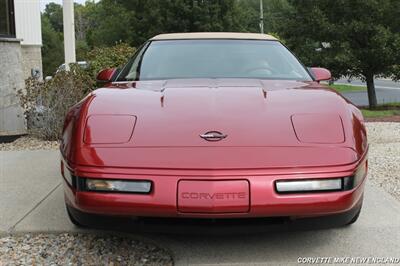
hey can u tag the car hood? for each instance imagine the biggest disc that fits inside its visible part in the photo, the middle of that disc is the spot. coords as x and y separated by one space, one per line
175 113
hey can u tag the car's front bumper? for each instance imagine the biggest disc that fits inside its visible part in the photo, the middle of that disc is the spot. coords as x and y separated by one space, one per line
264 201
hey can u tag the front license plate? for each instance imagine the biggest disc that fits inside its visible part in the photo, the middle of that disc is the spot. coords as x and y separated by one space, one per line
216 196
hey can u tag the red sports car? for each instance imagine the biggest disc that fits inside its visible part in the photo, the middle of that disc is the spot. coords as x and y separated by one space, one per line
214 125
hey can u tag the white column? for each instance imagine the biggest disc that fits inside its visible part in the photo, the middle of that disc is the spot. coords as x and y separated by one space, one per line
69 32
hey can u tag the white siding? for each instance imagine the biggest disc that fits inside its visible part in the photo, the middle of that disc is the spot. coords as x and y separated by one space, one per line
27 22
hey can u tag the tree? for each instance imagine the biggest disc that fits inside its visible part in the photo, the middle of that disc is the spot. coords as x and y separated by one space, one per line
108 23
134 21
53 12
52 35
274 10
52 49
358 38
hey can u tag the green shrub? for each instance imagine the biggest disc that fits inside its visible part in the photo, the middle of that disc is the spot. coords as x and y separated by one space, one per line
107 57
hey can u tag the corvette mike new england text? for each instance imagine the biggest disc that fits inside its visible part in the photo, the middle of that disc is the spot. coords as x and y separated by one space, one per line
349 260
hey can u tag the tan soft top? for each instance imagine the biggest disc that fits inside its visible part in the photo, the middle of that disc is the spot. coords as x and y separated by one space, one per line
214 35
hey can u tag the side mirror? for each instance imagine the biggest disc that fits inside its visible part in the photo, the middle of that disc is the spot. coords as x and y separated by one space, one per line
106 75
321 74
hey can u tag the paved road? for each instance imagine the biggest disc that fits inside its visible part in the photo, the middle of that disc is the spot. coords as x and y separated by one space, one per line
31 200
379 83
386 91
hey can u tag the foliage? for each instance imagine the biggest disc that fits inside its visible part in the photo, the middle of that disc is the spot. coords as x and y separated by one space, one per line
82 49
108 22
358 38
106 57
139 20
54 14
274 11
45 104
53 40
52 49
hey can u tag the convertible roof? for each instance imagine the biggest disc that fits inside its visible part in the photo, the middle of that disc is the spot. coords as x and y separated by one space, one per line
214 35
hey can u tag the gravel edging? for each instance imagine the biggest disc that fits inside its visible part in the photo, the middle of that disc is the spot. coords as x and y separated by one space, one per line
79 249
29 143
384 156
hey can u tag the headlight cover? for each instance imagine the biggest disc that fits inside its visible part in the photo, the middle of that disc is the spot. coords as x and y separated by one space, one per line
125 186
323 184
318 128
109 129
291 186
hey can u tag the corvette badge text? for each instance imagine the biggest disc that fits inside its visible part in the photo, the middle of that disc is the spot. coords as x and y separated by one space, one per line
218 196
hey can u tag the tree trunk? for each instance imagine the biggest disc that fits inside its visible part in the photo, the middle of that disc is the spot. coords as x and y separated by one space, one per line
371 91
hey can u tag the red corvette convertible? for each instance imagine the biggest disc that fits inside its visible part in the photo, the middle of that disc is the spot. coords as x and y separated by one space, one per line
214 125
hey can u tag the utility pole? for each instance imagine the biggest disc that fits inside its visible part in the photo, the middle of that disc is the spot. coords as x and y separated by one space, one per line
261 17
69 33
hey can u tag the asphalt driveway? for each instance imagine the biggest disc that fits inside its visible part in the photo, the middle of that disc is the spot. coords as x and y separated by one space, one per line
387 91
360 98
31 200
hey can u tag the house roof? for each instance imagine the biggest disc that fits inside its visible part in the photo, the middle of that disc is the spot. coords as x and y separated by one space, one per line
214 35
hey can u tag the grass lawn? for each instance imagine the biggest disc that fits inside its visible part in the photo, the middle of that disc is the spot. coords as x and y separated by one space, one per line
347 88
379 113
384 110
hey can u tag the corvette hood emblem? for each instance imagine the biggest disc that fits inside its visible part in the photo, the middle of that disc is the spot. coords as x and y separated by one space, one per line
213 136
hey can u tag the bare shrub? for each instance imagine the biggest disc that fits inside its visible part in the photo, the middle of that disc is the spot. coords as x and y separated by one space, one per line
45 104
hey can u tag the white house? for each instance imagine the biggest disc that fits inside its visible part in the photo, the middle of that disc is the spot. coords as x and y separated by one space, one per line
20 58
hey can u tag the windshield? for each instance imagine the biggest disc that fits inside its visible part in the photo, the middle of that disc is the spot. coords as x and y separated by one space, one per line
184 59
